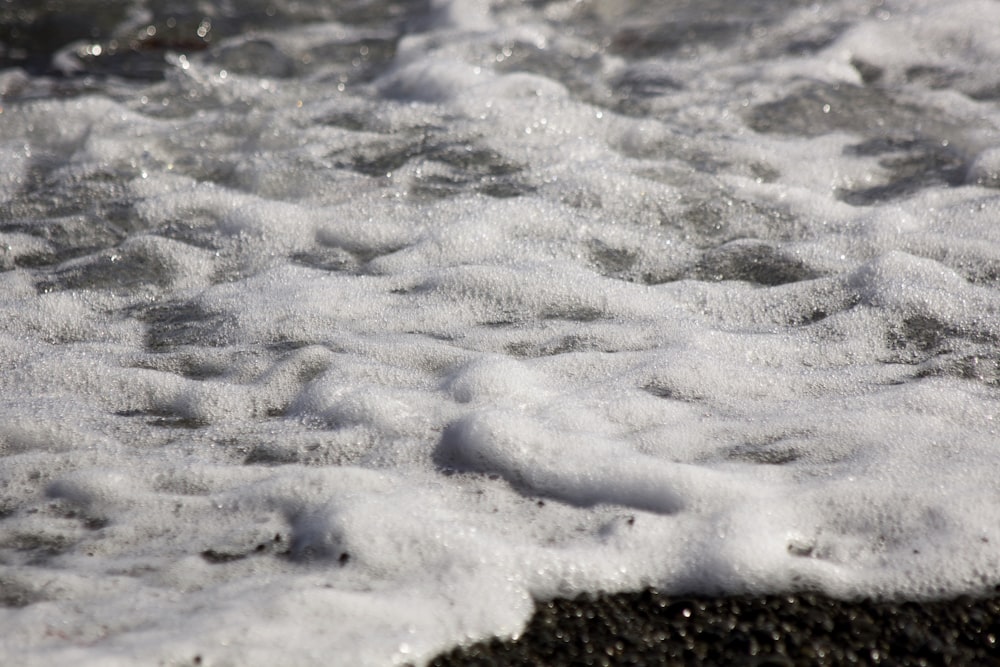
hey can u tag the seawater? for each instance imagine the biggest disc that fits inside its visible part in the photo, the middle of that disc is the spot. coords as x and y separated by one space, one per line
341 332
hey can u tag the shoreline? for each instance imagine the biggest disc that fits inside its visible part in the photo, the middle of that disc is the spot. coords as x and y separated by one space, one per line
649 627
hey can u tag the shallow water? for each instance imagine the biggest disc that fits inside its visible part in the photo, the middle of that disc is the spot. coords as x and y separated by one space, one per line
345 331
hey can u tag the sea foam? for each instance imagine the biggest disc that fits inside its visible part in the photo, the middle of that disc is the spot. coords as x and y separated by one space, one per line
345 334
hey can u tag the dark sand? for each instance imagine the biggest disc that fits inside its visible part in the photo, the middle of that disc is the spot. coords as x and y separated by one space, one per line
649 628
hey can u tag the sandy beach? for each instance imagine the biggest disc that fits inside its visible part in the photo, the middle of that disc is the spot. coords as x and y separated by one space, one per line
649 628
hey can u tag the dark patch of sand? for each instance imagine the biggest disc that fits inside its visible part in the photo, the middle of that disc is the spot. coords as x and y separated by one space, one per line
650 628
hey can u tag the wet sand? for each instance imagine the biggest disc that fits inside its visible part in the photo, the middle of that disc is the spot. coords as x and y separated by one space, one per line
649 628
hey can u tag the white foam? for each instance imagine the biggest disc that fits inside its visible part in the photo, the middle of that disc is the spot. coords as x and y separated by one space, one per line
361 357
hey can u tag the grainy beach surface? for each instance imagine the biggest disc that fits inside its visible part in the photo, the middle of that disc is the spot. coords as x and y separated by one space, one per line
649 628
